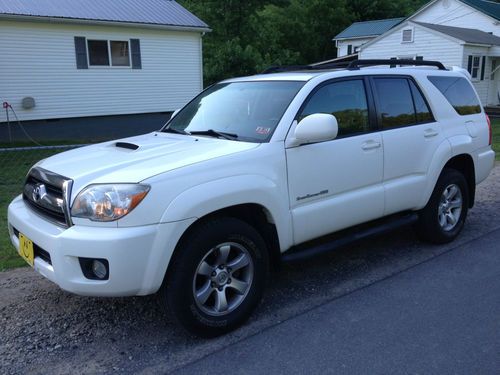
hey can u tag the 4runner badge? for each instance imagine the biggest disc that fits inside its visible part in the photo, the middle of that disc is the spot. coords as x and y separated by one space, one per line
322 192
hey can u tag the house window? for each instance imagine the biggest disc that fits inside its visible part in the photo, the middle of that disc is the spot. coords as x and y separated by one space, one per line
98 52
407 36
349 49
102 52
356 49
119 53
476 67
476 61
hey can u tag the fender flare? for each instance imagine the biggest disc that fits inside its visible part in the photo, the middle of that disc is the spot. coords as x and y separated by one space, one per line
447 150
232 191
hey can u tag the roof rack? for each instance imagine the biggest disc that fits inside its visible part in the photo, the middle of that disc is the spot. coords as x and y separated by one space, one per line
356 64
353 65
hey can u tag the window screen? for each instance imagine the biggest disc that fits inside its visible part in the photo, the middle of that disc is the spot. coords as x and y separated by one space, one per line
346 100
459 93
395 102
98 52
407 35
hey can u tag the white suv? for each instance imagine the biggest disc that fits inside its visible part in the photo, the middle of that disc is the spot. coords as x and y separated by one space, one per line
249 173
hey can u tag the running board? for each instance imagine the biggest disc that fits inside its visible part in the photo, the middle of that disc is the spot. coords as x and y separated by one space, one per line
379 227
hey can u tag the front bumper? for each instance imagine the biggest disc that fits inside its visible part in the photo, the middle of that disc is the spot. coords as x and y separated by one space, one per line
138 256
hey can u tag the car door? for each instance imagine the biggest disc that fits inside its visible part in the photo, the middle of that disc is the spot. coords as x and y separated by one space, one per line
410 136
337 183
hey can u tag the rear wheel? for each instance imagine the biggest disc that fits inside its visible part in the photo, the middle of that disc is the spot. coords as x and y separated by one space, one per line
443 218
217 277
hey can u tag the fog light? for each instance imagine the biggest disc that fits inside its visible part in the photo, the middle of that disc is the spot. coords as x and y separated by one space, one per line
99 269
95 269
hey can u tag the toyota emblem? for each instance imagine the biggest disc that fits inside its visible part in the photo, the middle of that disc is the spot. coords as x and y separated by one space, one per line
38 192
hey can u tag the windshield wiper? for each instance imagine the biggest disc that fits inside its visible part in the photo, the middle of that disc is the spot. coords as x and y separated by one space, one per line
178 131
215 133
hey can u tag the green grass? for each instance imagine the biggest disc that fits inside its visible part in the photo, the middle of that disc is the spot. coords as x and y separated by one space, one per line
13 168
495 126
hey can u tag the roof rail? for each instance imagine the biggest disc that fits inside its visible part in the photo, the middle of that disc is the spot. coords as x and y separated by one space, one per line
356 64
291 68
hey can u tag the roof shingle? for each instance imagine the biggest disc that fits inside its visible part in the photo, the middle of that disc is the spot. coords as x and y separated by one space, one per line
368 28
491 8
155 12
467 35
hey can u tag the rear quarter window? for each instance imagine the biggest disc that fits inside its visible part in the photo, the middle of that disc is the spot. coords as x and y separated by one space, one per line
459 93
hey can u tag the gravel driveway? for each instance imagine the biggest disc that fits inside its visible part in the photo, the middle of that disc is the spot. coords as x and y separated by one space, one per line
46 330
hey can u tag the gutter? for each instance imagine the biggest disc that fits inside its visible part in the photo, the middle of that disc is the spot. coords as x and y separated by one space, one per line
81 21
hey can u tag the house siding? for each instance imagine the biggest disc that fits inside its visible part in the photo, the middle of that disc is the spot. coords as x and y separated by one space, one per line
456 14
38 60
427 44
355 42
482 86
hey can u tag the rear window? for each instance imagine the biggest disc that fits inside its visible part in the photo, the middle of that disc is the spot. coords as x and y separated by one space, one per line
458 91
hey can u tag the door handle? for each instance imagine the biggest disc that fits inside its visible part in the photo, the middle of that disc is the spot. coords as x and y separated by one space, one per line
370 145
428 133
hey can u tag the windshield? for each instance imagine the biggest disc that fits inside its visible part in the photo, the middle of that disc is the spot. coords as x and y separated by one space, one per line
245 111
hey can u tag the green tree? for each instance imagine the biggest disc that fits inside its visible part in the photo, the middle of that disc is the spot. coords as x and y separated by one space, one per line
249 35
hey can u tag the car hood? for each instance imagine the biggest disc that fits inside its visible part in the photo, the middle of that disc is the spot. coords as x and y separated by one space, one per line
138 158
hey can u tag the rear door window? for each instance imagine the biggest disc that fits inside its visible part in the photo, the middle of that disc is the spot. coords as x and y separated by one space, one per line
459 93
395 102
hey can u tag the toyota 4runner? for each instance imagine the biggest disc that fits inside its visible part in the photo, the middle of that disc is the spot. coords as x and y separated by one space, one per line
248 174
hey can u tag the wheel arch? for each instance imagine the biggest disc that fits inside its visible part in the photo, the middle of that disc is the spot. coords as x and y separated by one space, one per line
256 215
464 163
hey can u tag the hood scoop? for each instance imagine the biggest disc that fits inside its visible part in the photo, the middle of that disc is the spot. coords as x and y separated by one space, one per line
128 146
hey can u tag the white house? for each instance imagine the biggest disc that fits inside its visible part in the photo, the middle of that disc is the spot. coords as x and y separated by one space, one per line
463 33
67 59
351 39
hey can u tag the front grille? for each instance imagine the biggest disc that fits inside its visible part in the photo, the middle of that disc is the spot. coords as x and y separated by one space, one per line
39 252
46 193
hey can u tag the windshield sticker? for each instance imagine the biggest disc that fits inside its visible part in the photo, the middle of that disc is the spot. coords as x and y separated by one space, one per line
262 130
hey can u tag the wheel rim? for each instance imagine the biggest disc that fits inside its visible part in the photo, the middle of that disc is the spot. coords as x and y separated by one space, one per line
223 279
450 207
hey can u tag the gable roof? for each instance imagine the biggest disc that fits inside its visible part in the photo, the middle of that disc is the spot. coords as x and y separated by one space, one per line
368 28
491 8
147 12
473 36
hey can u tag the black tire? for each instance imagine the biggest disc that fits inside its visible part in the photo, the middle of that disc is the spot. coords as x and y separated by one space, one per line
177 293
428 226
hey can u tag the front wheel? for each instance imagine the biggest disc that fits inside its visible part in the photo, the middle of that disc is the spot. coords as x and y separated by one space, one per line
217 276
443 218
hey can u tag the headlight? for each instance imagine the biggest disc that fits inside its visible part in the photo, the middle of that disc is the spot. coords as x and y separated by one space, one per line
108 202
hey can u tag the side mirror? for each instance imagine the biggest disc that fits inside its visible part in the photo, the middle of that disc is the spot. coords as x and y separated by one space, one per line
175 112
318 127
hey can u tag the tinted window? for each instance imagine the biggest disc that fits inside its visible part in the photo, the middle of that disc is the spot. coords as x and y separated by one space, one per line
395 102
346 100
459 93
422 111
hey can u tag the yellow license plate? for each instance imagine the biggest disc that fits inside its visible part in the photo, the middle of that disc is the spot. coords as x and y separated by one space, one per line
26 249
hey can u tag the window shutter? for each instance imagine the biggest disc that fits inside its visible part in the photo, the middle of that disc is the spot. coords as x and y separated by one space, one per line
135 48
81 52
393 65
349 49
469 64
483 66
